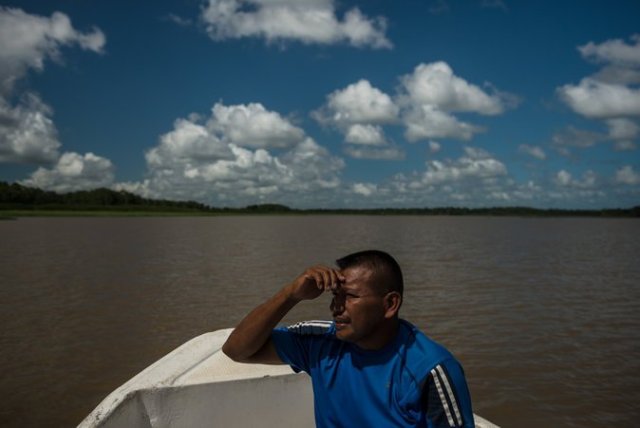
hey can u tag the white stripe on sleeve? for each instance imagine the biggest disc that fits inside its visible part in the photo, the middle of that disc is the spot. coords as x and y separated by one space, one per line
452 397
445 405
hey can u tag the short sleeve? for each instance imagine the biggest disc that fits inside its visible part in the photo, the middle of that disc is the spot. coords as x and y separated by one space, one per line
445 397
294 343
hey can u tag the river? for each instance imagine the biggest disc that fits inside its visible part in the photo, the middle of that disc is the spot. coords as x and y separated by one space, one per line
543 313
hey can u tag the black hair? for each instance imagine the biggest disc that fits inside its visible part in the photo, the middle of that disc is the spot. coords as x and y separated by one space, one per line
384 267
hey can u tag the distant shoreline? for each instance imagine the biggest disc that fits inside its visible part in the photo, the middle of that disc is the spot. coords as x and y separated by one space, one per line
17 200
10 214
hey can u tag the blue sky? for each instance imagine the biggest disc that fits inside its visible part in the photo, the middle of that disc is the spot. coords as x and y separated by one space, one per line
317 103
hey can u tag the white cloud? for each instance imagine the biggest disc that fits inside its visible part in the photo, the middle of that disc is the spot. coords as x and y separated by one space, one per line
364 189
434 146
614 51
433 92
611 94
618 75
357 103
187 142
623 129
565 179
476 164
74 172
27 133
387 152
307 21
533 151
601 100
227 161
476 178
435 85
424 104
191 143
627 175
427 121
27 40
358 111
253 126
370 135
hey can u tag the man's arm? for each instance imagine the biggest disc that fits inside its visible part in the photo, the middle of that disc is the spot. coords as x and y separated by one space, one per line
250 341
445 398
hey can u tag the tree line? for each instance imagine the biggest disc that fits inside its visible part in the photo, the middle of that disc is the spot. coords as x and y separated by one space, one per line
14 196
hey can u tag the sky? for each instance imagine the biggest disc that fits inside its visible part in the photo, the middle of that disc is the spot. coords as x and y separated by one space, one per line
325 104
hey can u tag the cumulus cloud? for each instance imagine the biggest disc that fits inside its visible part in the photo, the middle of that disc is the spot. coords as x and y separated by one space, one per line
611 94
476 164
307 21
427 121
434 146
623 132
435 84
533 151
424 104
432 93
253 126
387 152
476 178
601 100
27 133
614 51
221 137
370 135
358 111
73 172
357 103
364 189
27 40
627 175
565 179
226 160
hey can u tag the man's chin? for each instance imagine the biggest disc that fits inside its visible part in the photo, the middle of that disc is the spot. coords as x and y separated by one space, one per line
343 333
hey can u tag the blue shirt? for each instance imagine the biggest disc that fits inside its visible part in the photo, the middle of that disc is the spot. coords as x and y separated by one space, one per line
411 382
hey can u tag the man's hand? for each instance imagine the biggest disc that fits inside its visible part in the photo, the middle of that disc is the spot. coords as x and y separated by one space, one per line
250 341
314 281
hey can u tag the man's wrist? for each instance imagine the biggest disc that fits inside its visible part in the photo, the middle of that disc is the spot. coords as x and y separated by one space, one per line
290 295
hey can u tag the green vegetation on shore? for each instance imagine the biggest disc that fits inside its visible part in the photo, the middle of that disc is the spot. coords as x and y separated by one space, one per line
20 201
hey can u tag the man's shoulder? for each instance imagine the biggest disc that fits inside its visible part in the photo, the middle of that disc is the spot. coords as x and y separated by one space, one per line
313 328
421 352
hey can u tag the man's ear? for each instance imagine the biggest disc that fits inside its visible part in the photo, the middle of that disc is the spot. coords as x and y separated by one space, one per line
392 302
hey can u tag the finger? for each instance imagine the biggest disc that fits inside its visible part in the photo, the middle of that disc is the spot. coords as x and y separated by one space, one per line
326 277
319 280
335 282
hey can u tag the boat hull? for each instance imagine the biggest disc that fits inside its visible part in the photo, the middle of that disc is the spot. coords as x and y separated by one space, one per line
197 385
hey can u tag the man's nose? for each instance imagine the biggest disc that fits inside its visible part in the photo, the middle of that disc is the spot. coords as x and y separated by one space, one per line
336 306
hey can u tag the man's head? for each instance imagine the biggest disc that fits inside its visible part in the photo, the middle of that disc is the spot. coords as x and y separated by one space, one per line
365 307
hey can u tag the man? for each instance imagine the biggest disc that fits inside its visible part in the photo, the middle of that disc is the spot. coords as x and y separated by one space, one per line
368 367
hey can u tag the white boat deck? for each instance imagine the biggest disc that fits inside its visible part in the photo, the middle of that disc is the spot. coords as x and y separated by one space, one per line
197 385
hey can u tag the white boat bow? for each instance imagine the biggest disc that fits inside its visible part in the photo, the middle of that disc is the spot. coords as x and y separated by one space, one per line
197 385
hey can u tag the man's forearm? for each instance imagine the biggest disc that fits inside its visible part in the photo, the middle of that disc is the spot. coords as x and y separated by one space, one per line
254 330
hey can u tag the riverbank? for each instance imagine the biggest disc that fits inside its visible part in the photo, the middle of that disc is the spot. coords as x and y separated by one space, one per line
8 214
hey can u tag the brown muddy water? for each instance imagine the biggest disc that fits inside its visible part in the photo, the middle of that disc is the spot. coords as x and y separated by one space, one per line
544 314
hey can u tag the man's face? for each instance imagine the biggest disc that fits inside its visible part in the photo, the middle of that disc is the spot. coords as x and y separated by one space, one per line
358 310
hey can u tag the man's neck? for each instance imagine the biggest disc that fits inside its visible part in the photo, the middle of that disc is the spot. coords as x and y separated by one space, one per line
385 335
